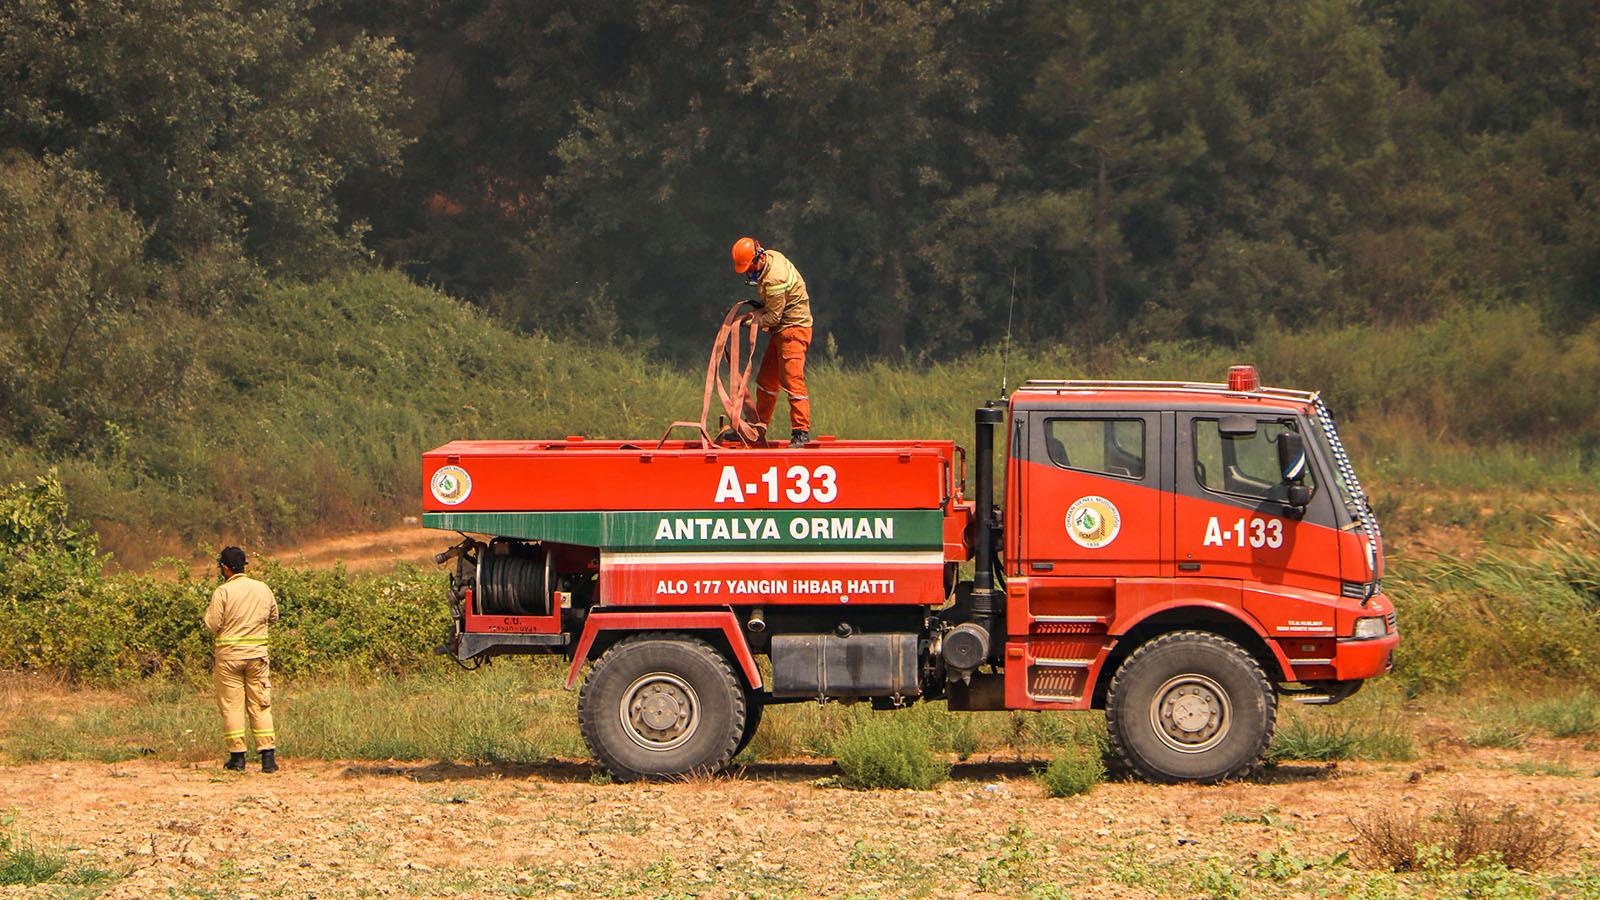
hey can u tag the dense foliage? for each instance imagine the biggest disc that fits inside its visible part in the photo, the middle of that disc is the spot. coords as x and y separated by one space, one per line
1167 168
1392 200
1162 169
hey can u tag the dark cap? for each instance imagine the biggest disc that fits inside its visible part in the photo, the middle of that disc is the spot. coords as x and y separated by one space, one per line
233 558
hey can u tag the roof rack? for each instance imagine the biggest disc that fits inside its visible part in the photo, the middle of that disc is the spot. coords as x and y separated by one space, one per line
1210 387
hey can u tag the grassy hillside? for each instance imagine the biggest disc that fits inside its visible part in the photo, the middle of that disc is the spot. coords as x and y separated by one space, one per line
306 412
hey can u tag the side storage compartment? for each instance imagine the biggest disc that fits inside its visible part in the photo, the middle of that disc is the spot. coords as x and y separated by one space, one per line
861 665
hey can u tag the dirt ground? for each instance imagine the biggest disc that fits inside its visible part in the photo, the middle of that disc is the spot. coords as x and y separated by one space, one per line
319 829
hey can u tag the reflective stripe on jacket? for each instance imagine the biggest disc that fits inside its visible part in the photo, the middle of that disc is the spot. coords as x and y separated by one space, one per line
240 610
784 300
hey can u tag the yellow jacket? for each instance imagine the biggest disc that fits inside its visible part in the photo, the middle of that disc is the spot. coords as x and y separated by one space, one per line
784 301
237 618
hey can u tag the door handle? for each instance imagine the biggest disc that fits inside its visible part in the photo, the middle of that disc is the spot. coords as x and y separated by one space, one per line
1189 567
1042 567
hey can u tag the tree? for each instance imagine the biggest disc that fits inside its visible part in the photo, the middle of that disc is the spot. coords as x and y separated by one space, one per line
81 352
220 124
868 107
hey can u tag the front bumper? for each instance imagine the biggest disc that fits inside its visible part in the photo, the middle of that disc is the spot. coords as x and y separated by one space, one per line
1356 659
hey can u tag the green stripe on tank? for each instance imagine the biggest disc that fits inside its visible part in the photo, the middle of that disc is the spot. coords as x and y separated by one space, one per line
853 529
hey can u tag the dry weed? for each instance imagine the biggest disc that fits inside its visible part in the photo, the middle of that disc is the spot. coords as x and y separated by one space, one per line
1465 833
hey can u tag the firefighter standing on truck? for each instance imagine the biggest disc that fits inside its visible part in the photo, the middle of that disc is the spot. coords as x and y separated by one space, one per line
785 314
241 608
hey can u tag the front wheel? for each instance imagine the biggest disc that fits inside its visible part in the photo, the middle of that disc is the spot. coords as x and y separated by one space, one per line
1190 706
655 706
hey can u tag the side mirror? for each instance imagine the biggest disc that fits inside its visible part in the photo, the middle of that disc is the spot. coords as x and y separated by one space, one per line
1292 464
1236 426
1291 455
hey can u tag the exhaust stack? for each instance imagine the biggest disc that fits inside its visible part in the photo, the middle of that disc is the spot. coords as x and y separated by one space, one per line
985 601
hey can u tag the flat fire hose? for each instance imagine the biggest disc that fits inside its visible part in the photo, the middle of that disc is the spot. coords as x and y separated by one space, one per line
734 391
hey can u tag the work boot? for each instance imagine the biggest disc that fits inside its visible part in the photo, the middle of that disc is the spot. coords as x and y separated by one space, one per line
269 761
235 762
799 438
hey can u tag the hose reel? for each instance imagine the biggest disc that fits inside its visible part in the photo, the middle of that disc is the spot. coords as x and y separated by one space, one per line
513 579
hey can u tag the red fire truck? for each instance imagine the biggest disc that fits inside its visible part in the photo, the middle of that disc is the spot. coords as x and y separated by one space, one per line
1179 555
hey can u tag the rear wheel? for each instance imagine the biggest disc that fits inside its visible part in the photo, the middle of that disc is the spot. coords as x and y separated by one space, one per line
661 705
1190 706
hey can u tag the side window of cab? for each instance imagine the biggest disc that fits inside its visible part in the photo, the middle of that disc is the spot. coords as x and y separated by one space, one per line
1102 445
1243 465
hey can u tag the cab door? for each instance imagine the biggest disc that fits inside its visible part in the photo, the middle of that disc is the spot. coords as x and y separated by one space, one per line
1093 499
1233 520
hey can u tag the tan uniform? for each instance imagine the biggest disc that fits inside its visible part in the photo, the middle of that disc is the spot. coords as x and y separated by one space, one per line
237 618
784 300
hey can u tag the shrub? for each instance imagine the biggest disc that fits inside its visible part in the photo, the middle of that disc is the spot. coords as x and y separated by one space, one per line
884 753
1529 611
1468 833
64 614
1072 772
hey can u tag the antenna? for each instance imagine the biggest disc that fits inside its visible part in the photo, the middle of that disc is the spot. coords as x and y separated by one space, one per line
1005 363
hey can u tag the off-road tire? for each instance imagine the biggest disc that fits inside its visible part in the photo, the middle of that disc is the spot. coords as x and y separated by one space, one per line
753 708
693 677
1212 663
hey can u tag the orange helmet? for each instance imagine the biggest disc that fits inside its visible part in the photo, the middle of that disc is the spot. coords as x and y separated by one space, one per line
746 251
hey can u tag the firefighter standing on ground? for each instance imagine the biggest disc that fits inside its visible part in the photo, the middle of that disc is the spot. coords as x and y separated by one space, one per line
785 314
241 608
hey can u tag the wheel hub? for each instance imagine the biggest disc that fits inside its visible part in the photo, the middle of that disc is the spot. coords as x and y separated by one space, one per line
659 711
1191 713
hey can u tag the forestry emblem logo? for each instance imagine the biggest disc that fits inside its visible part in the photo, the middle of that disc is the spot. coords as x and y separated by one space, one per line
451 485
1093 522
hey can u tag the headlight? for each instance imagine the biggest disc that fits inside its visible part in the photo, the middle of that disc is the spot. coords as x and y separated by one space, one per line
1370 627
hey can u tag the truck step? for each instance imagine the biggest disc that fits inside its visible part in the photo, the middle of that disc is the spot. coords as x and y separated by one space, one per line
1052 698
1310 699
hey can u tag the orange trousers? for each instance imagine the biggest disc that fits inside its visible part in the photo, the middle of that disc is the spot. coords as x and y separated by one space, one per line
783 367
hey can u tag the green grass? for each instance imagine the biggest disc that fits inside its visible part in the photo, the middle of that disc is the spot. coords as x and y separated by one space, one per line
1497 734
23 863
1507 718
1336 740
507 713
26 863
1571 716
1555 767
1371 726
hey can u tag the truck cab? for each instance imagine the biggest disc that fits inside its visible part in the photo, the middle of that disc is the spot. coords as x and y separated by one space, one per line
1181 555
1186 512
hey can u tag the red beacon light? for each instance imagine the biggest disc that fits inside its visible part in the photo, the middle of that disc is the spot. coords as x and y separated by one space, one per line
1243 378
